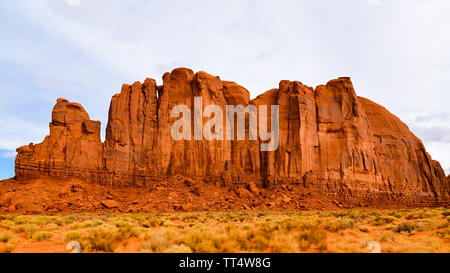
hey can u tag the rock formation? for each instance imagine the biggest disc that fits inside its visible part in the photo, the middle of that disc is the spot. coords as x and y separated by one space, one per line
330 140
73 148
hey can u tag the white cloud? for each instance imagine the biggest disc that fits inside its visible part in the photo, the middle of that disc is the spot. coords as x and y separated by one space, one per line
432 134
396 57
439 152
374 2
16 131
73 2
430 117
433 128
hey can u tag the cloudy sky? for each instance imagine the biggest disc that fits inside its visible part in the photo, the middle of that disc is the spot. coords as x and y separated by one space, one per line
396 52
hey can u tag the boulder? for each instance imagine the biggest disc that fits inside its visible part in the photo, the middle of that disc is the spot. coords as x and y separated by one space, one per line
244 194
253 189
187 207
110 204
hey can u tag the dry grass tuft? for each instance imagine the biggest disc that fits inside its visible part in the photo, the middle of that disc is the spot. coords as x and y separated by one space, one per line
415 230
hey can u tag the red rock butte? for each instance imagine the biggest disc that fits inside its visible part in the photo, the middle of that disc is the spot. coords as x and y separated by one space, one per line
331 142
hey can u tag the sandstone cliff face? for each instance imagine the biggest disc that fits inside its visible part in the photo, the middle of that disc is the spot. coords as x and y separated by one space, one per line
345 146
73 148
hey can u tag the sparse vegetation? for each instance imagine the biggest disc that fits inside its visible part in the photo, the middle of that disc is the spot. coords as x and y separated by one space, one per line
418 230
71 236
28 229
100 239
6 237
42 236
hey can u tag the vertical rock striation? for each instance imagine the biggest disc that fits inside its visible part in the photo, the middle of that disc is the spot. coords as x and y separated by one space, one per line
329 139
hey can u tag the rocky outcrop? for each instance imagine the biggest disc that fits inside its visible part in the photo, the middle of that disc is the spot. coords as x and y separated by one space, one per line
331 141
73 148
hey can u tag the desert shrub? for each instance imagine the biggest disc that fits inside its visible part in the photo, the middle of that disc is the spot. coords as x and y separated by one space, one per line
418 214
374 213
285 224
89 224
137 217
214 240
386 237
382 220
6 237
414 216
123 224
267 227
178 249
71 236
127 231
154 243
282 242
68 220
51 226
310 236
444 234
7 224
405 227
261 214
364 229
398 215
29 220
6 217
340 213
59 221
189 217
339 225
155 222
252 241
357 215
202 241
196 225
246 227
75 226
42 220
101 239
170 224
42 236
28 229
426 224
